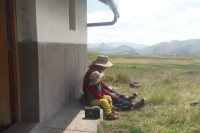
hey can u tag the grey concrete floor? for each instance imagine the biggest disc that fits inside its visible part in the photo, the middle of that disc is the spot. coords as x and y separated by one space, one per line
71 119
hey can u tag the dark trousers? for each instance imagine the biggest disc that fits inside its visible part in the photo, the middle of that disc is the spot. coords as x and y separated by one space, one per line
121 102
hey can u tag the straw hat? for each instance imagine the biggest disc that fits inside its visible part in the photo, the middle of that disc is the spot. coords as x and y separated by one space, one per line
102 60
95 77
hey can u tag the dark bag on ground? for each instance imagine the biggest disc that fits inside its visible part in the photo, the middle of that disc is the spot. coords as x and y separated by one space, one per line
92 112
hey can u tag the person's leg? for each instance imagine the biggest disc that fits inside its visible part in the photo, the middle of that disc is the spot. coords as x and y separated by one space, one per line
121 102
106 106
103 103
139 104
127 98
125 104
120 96
111 104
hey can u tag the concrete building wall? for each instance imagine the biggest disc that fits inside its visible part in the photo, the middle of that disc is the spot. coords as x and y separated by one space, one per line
26 20
59 55
28 60
57 30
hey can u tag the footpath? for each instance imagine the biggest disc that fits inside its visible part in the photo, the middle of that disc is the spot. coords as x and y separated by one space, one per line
71 119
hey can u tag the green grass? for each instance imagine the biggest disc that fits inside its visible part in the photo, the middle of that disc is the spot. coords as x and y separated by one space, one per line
170 83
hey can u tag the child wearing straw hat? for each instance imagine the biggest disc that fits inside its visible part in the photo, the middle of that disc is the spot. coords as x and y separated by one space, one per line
97 97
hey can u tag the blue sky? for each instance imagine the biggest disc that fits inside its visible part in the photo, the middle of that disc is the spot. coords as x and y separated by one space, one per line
145 21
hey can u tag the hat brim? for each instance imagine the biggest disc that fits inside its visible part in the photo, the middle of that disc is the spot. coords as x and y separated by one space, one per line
108 64
96 81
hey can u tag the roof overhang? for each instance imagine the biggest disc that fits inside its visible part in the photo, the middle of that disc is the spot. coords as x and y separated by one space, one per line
113 4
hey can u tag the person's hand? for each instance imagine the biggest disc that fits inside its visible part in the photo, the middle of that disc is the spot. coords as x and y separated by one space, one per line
105 97
113 95
111 89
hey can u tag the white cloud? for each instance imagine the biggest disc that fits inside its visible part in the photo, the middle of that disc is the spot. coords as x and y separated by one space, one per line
100 16
150 22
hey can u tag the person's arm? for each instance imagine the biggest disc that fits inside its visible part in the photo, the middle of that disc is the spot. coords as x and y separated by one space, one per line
106 87
108 91
94 91
87 80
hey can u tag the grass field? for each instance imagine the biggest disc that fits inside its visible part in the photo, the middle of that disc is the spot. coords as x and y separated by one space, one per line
170 83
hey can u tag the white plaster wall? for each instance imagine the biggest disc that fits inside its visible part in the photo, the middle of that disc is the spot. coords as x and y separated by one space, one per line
56 29
26 20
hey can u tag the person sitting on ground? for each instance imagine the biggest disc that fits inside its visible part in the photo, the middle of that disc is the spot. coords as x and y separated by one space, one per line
119 100
96 96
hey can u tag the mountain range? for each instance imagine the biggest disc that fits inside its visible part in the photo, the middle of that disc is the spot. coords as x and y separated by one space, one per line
174 47
117 44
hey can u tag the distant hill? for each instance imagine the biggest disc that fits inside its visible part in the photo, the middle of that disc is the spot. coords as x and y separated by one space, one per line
124 50
117 44
101 48
174 47
121 50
